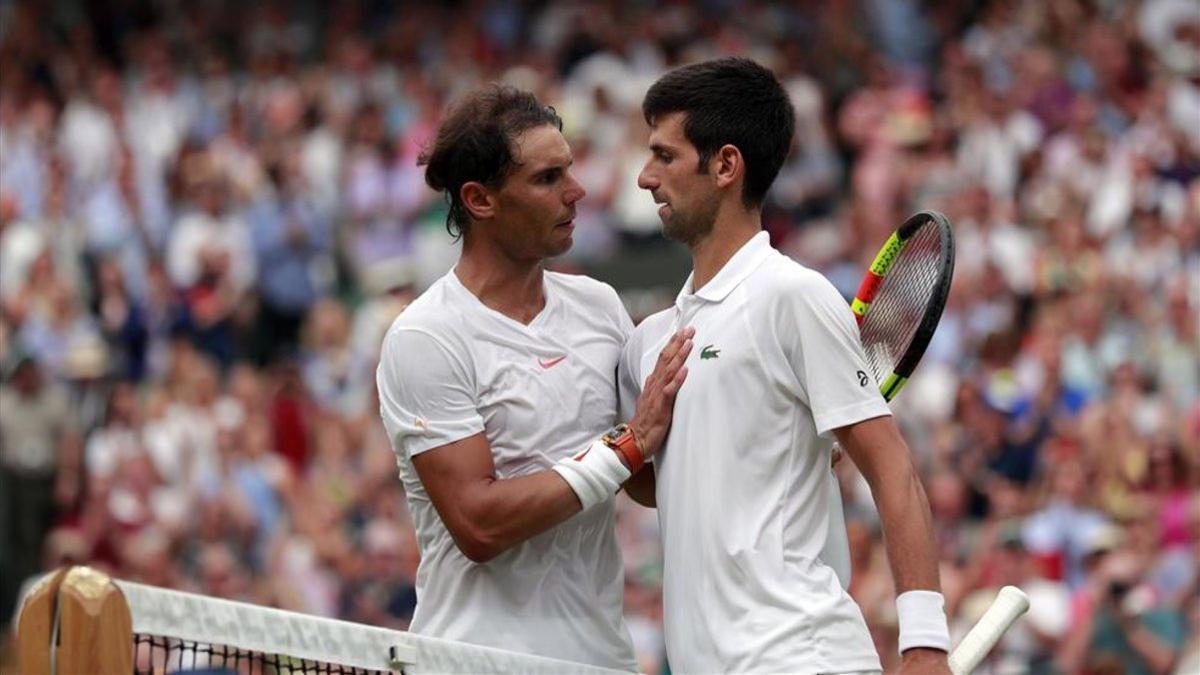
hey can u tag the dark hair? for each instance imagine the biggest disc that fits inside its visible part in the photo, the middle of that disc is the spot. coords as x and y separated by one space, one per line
474 142
730 101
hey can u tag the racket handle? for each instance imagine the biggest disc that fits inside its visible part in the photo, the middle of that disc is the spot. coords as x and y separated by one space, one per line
1008 606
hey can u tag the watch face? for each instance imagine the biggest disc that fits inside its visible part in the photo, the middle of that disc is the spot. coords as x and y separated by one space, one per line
616 432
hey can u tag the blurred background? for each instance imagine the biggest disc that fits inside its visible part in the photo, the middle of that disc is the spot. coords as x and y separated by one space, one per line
211 211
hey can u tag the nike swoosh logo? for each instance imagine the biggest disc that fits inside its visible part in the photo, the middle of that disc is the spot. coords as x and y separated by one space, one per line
580 456
551 363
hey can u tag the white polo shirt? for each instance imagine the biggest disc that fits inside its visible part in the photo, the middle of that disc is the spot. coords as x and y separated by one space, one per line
451 367
743 490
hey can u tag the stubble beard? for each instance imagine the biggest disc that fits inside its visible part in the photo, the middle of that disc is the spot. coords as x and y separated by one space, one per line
688 227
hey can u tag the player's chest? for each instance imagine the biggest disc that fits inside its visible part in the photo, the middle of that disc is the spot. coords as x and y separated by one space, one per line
726 359
557 366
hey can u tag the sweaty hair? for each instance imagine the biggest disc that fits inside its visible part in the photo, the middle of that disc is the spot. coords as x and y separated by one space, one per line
730 101
475 142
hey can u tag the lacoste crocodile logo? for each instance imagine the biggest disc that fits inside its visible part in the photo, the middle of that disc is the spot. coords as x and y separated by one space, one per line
707 352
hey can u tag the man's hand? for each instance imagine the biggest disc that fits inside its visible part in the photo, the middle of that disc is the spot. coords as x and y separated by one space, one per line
921 661
652 419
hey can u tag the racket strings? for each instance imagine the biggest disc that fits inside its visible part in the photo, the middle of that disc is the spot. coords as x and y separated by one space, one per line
898 307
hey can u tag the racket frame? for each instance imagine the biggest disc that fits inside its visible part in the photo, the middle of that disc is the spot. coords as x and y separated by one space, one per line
877 274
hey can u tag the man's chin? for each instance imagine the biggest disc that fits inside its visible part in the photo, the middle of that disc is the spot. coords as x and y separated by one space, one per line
673 232
560 247
687 230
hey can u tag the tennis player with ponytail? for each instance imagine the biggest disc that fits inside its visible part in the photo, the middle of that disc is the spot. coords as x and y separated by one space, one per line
779 373
497 387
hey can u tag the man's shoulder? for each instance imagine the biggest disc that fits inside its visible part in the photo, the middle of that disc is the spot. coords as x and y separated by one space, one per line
781 274
654 326
434 312
784 287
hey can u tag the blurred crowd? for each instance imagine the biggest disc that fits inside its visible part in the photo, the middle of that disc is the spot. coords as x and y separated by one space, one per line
210 213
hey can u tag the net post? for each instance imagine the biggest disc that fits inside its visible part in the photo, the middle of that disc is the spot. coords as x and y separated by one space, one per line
35 623
95 626
75 621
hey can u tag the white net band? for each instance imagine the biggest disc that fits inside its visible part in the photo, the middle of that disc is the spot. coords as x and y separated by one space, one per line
207 620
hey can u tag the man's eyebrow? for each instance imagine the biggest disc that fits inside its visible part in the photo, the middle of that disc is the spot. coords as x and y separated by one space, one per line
549 166
659 147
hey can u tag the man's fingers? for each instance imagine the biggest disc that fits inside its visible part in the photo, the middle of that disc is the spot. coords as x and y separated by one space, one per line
670 348
668 357
673 385
681 355
666 371
675 343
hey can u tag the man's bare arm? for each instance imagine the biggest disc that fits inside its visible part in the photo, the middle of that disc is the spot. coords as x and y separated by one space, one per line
880 453
640 487
485 515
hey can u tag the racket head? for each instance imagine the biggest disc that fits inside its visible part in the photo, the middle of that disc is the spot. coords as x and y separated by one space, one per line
901 298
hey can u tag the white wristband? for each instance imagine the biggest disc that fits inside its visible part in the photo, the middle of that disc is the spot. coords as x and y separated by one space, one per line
595 474
922 616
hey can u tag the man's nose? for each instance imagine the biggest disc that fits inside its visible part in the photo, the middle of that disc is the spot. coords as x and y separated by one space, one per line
646 180
574 192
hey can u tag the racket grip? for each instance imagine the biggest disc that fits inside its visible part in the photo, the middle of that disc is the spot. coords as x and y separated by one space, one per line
1008 606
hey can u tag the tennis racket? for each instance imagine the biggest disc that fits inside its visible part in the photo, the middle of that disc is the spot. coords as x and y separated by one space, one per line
1008 606
901 298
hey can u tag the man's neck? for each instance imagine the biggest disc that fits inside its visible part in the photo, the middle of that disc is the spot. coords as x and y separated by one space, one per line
728 236
513 288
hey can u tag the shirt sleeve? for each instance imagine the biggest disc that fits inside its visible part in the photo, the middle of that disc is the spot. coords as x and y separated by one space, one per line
426 393
629 380
628 384
825 352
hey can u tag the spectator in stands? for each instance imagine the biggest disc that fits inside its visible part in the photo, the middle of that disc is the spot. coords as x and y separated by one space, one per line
40 468
1117 624
293 241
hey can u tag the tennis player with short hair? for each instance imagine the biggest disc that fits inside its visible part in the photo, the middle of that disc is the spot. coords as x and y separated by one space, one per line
742 490
497 387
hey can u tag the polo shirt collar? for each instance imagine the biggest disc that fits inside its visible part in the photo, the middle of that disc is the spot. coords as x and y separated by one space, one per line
736 269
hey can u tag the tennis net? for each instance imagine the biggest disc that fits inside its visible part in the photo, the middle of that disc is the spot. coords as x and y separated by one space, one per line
78 620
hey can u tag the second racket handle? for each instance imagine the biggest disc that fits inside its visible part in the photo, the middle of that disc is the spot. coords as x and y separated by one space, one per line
1010 603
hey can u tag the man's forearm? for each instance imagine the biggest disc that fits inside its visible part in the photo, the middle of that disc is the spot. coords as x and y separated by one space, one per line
509 511
908 531
484 514
882 456
641 487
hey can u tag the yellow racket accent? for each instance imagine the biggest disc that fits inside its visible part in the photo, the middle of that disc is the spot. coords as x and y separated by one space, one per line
859 307
887 255
891 386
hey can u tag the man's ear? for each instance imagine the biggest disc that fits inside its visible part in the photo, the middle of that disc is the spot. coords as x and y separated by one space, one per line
729 165
478 200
